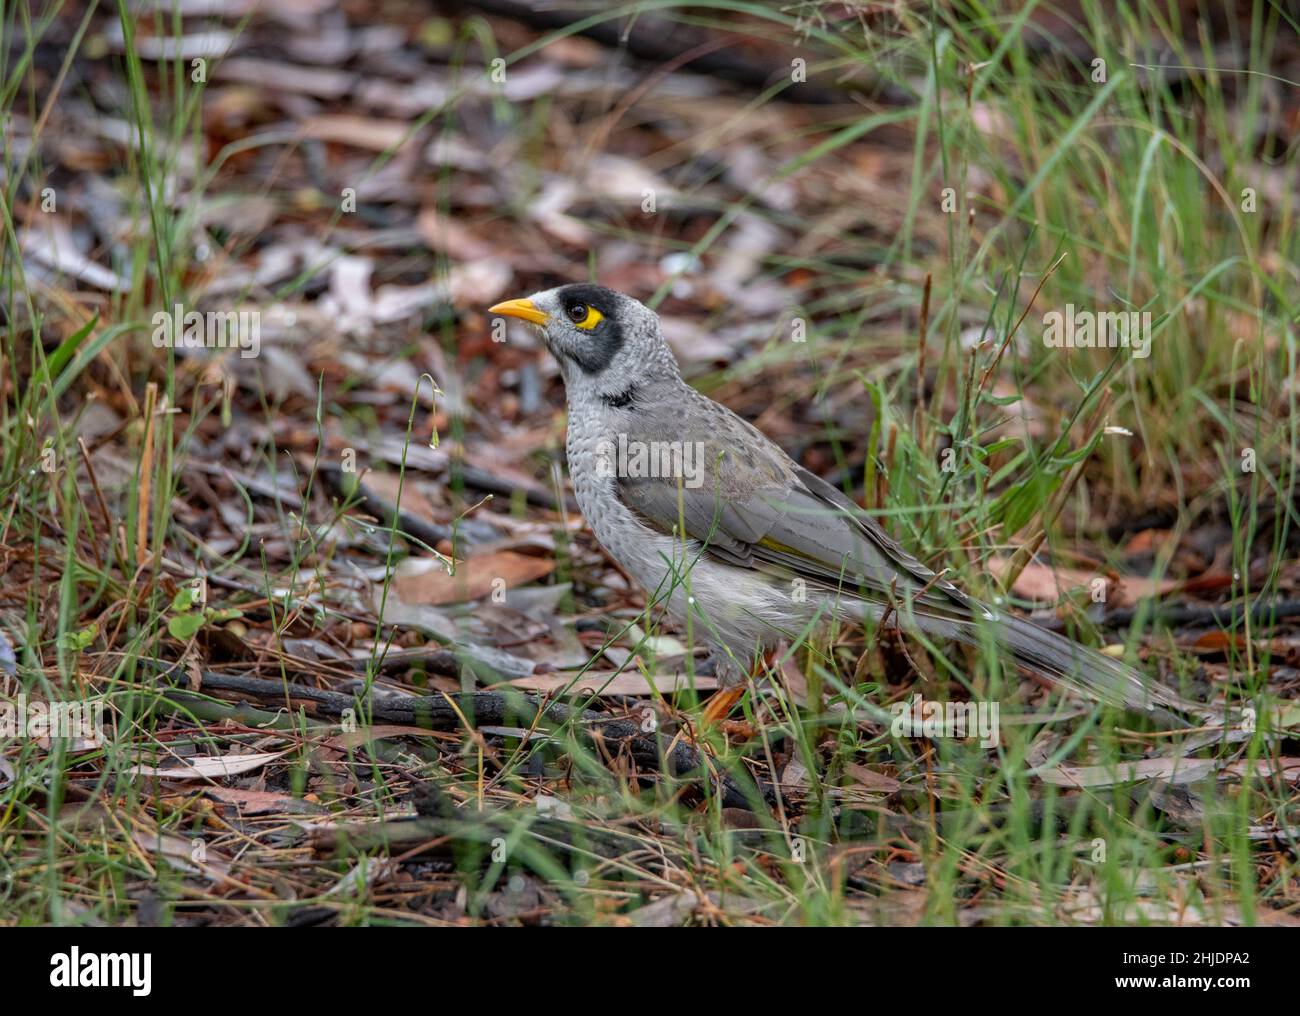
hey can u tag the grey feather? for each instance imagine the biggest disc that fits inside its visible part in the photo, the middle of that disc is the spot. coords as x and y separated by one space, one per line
757 520
811 530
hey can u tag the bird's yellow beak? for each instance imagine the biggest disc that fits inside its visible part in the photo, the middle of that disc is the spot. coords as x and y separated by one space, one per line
522 309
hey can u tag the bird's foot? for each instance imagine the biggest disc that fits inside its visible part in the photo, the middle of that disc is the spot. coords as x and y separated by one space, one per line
732 691
720 705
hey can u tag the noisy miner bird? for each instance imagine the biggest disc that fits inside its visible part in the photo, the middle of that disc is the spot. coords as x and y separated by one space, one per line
719 524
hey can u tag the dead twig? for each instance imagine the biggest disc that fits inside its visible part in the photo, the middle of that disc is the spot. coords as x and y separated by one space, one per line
650 751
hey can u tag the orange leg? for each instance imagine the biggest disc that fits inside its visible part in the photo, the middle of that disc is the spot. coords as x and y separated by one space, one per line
720 705
725 699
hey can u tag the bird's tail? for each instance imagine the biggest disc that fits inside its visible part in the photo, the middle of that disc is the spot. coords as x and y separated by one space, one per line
1092 674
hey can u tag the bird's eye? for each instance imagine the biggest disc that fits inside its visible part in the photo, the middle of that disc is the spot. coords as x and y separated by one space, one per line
584 316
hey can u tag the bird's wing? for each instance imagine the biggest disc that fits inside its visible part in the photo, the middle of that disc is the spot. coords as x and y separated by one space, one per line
809 529
757 511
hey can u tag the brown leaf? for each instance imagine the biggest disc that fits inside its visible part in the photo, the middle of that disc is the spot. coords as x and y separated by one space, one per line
871 780
449 235
357 131
260 802
1217 641
386 485
1210 582
475 577
1048 583
1146 541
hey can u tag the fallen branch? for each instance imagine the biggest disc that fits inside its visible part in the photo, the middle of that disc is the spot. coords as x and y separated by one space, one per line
609 735
1175 615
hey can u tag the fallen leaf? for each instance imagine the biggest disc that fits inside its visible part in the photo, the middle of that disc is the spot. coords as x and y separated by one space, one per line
189 856
260 802
667 911
358 131
447 235
1146 541
366 873
55 248
630 682
425 582
1048 583
795 776
365 735
871 780
279 75
1217 641
1172 769
208 767
387 485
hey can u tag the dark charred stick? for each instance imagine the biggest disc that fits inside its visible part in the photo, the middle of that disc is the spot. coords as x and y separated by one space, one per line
490 708
369 501
437 661
1178 615
441 834
489 483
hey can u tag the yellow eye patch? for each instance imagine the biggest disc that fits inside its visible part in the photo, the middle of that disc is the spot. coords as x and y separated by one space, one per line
585 317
